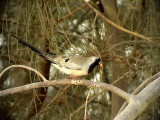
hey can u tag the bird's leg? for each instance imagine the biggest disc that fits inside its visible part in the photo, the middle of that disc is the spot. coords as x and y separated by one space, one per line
74 77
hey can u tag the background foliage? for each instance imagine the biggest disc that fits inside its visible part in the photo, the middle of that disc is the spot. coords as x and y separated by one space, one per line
70 27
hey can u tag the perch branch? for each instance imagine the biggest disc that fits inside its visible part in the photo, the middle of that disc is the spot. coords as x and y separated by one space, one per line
88 83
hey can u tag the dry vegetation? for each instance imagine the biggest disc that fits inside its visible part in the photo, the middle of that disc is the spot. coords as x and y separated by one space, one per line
125 36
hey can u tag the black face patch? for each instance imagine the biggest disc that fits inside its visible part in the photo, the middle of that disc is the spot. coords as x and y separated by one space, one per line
66 60
98 60
94 64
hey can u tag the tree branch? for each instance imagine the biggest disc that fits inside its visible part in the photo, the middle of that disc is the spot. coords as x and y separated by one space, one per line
71 13
140 101
88 83
137 103
23 66
117 26
47 83
142 86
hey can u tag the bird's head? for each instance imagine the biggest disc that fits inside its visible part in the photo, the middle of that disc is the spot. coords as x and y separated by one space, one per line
95 61
98 60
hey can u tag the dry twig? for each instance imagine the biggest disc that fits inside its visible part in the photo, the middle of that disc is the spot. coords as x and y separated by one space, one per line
117 26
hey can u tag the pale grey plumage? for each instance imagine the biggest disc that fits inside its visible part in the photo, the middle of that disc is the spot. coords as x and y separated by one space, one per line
74 66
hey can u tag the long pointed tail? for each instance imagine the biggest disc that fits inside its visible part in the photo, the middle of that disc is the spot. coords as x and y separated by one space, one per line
47 56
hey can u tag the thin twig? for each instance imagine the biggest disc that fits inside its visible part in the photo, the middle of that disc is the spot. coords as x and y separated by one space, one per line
122 77
74 35
95 96
89 92
128 42
83 105
72 13
26 67
52 101
117 26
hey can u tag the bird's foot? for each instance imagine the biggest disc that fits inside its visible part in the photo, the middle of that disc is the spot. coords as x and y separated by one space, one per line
75 77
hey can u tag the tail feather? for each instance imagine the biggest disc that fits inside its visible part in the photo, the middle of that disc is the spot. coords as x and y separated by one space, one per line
47 56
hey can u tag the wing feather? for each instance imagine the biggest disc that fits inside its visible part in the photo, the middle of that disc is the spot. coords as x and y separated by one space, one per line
74 63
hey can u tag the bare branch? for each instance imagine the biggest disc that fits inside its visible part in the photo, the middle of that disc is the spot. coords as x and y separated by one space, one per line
47 83
23 66
74 35
140 101
72 13
89 92
117 26
128 42
143 85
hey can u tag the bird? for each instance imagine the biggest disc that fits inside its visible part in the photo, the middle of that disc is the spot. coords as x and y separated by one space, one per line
74 66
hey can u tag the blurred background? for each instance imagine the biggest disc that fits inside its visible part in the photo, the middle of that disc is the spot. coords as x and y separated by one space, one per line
71 28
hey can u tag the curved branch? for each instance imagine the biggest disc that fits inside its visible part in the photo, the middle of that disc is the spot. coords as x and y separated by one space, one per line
140 101
23 66
47 83
140 88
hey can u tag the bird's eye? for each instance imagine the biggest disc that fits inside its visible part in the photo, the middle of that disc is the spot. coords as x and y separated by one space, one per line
98 60
66 60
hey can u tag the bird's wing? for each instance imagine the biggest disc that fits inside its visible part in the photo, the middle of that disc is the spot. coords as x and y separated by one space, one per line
74 63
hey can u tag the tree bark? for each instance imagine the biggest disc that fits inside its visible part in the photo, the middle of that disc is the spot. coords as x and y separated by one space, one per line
113 36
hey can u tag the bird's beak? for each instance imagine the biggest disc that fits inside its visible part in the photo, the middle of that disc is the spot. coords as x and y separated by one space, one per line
101 64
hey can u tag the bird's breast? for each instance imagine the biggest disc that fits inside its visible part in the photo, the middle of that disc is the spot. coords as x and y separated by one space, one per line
68 71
